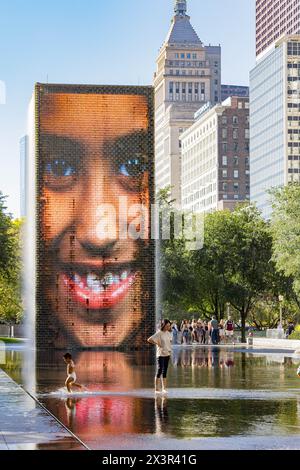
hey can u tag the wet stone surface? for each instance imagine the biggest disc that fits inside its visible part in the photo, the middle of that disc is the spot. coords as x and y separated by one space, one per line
219 398
25 425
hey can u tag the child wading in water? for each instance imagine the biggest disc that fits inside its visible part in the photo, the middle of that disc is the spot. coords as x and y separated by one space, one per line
71 379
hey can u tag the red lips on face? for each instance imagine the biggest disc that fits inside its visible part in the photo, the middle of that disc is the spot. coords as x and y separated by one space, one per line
99 292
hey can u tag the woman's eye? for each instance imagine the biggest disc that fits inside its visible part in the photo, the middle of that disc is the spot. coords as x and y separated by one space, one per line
60 168
132 167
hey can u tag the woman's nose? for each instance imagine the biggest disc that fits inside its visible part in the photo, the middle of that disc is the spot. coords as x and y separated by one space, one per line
96 220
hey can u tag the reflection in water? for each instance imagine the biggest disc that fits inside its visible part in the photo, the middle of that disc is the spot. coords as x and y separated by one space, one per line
110 421
161 415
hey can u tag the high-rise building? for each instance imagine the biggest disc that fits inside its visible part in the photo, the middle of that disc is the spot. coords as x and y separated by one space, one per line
275 121
274 19
23 174
188 75
233 90
215 157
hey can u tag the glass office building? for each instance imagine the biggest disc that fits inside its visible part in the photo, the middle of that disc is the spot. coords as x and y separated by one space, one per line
274 121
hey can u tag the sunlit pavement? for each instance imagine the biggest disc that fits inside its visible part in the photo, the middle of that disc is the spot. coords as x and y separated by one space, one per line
24 425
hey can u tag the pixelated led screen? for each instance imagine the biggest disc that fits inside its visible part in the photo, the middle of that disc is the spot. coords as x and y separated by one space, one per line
95 280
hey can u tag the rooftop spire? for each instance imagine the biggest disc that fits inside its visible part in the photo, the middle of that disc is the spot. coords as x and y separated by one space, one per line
180 7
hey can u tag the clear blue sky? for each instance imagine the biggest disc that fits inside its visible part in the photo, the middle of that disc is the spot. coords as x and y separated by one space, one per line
102 42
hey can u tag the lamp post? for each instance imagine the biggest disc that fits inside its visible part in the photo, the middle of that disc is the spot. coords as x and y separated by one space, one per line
280 298
228 309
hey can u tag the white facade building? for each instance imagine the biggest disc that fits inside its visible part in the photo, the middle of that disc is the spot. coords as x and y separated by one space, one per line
215 157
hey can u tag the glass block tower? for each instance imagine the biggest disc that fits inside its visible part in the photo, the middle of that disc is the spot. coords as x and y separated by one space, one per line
275 121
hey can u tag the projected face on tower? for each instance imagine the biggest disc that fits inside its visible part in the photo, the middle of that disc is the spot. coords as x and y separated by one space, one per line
94 183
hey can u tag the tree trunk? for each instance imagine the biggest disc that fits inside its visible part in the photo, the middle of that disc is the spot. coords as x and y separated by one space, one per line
243 321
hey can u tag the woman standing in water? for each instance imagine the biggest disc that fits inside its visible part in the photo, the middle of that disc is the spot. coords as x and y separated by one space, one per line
162 340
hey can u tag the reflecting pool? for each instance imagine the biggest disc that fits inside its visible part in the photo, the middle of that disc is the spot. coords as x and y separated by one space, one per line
218 398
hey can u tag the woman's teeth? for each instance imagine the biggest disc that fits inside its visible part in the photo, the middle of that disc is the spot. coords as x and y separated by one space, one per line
97 284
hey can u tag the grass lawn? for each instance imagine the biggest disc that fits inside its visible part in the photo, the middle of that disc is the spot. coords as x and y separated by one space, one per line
11 340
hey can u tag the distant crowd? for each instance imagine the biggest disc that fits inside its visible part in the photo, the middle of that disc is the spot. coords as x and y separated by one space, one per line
203 332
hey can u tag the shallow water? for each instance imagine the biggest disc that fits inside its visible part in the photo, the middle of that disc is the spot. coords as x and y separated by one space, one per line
218 398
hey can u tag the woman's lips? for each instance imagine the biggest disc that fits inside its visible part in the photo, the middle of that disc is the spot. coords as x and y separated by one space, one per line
96 292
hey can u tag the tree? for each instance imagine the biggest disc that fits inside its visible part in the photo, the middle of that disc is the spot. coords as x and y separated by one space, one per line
237 258
6 240
285 230
11 310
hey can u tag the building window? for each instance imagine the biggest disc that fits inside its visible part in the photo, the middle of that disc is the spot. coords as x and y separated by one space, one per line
188 56
235 120
235 133
225 196
177 72
236 173
235 161
183 72
235 186
171 72
247 161
224 133
236 196
225 186
247 146
235 146
194 56
224 173
224 147
224 120
224 160
182 56
216 82
247 133
176 56
240 105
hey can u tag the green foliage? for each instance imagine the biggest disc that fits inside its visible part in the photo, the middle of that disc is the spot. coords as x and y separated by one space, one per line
296 333
285 230
235 266
11 310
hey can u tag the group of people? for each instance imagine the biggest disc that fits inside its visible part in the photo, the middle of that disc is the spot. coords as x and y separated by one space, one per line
203 332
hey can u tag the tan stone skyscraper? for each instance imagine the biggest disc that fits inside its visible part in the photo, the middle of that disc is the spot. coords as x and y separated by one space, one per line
188 75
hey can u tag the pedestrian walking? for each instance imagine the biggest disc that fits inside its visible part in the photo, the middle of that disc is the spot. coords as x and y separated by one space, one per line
229 329
214 330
